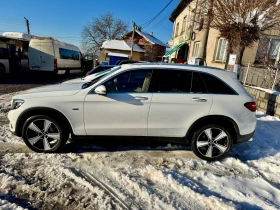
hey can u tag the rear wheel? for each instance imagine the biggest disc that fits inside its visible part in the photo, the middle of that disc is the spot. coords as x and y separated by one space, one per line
44 134
211 142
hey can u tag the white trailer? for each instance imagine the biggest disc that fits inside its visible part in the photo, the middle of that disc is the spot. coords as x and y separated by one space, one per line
48 54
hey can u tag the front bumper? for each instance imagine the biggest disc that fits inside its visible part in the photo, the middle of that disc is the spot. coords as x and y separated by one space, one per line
13 116
244 138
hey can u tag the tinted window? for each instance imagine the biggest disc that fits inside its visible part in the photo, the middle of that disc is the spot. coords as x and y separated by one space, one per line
172 81
215 85
69 54
197 84
132 81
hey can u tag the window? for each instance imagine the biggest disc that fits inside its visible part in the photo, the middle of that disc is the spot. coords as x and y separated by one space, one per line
198 85
171 81
69 54
215 85
132 81
184 24
221 50
196 49
274 48
177 30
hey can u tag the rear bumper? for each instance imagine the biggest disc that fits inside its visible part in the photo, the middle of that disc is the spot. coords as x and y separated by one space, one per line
244 138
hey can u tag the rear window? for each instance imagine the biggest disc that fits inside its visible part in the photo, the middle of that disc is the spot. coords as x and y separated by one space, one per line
215 85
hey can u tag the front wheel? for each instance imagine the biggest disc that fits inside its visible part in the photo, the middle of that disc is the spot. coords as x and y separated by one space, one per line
44 134
211 142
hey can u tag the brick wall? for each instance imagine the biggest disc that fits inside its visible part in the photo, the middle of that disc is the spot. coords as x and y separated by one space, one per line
266 102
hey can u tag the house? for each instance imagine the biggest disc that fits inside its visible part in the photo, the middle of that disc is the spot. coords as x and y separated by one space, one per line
115 50
190 37
153 47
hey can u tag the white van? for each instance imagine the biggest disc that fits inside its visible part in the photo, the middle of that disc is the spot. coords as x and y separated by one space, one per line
48 54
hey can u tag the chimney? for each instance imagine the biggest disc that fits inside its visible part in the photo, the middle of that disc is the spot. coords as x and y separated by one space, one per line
151 33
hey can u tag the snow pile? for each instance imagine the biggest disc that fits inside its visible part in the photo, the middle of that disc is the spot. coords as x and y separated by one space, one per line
5 103
6 135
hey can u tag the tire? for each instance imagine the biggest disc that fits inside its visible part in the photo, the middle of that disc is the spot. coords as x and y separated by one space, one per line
211 142
44 134
67 73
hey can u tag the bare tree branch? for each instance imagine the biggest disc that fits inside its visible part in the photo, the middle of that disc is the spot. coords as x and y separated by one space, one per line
105 27
242 22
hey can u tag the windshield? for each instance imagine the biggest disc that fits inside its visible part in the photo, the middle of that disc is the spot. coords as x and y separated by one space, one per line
111 71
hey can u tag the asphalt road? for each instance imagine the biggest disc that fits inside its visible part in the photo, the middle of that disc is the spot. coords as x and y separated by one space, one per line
10 83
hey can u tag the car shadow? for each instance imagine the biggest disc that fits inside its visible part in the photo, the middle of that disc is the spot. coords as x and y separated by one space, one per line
120 143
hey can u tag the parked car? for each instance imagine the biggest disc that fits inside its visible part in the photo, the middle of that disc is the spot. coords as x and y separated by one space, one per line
99 69
204 106
121 62
91 77
48 54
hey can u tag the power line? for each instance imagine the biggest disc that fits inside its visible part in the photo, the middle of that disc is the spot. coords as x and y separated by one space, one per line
155 17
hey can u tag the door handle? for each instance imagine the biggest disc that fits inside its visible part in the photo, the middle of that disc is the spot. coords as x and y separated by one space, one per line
141 98
199 99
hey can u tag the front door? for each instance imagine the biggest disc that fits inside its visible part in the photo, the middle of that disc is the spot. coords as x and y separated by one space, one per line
125 108
179 98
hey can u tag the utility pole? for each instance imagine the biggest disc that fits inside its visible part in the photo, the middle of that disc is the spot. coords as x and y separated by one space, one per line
27 25
132 41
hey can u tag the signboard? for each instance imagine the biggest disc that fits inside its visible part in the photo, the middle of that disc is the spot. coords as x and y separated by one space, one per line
232 59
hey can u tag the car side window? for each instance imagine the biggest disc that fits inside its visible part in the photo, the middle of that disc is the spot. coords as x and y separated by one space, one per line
198 85
136 81
171 81
215 85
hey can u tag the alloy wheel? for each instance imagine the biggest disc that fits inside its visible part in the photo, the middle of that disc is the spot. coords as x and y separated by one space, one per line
213 142
43 134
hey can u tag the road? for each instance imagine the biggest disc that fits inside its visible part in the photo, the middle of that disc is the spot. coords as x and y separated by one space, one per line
13 83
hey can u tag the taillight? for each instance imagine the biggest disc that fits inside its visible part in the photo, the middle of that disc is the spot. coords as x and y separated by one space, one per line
87 74
251 106
55 63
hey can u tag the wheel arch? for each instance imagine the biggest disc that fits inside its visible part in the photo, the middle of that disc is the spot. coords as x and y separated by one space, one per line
57 115
229 123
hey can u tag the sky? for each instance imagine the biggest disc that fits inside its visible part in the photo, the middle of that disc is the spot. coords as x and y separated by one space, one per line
64 19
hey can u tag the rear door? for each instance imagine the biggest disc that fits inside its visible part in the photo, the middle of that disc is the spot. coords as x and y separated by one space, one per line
47 55
34 54
179 98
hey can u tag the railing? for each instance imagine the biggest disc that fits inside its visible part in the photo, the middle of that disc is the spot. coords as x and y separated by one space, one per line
260 77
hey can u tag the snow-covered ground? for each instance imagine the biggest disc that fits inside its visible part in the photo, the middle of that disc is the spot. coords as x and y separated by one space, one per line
168 177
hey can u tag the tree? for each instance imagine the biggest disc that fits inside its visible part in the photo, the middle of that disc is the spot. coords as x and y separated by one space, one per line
105 27
242 22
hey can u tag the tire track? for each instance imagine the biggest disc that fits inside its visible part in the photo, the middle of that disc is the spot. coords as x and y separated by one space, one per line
93 182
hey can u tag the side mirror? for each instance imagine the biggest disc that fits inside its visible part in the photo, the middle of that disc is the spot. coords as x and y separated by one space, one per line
101 90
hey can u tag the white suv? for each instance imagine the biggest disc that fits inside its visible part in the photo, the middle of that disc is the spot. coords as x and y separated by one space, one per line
206 107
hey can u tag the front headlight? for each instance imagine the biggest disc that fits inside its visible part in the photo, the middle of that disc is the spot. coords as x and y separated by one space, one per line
17 103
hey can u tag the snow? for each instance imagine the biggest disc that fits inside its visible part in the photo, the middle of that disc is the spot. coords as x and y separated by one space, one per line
6 205
151 38
120 45
133 177
267 90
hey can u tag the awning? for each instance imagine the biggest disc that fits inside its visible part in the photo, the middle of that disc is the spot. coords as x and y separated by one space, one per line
173 50
117 55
